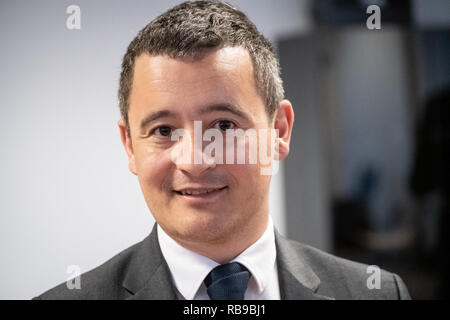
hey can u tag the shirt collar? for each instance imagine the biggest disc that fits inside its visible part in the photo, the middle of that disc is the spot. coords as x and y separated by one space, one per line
259 259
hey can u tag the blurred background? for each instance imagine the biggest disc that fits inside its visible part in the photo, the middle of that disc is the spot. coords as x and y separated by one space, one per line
367 178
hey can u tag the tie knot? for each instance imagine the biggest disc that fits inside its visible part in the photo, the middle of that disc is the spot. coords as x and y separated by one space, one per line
227 282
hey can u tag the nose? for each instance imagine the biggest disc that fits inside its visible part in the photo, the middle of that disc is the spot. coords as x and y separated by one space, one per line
189 157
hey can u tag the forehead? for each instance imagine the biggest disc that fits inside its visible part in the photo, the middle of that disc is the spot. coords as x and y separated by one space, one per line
218 76
231 60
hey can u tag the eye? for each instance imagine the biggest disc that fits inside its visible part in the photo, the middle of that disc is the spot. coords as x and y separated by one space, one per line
163 131
225 125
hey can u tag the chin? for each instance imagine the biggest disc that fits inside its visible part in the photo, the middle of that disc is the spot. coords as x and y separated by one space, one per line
203 227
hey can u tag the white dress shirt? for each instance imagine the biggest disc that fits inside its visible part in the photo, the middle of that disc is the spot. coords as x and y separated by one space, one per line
189 269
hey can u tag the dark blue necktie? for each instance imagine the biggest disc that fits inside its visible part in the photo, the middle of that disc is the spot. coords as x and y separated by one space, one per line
227 282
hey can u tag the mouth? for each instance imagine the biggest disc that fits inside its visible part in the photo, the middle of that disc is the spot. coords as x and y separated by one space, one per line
199 192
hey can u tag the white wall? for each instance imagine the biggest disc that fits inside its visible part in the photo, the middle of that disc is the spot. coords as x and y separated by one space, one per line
66 196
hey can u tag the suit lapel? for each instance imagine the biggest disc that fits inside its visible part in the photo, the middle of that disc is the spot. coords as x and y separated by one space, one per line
296 278
148 276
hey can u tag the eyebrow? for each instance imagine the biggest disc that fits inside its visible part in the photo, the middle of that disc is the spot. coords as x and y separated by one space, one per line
220 107
226 107
155 116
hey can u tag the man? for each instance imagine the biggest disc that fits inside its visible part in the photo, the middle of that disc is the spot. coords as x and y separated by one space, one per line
203 67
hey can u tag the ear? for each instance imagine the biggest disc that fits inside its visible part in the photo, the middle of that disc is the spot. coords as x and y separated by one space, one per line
128 145
284 122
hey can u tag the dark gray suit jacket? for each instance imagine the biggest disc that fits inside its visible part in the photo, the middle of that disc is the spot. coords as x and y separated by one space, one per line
140 272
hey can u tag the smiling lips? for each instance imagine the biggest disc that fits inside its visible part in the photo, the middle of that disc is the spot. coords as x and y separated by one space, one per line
198 191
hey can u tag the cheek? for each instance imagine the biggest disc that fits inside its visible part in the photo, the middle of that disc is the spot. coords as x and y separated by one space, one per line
250 182
152 167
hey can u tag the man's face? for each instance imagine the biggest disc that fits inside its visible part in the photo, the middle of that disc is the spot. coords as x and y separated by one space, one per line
169 94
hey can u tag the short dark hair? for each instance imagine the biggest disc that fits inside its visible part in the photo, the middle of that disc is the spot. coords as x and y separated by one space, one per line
192 26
